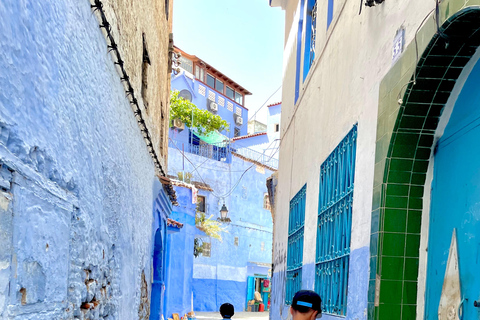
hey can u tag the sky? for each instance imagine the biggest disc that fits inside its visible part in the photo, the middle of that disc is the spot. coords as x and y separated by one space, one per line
243 39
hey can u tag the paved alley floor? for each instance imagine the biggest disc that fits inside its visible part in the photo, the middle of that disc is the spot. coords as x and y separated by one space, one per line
237 316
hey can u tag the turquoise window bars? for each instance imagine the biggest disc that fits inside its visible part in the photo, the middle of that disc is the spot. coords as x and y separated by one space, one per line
295 244
334 225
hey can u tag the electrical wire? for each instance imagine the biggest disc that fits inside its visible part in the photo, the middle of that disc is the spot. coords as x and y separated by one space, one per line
238 181
266 101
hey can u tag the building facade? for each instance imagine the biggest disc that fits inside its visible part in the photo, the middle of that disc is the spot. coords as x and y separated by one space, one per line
377 175
83 121
214 175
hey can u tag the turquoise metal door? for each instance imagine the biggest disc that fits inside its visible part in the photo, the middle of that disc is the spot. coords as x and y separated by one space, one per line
455 204
250 290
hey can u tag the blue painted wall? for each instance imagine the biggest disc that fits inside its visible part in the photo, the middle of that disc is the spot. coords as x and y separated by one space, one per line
79 198
222 277
180 256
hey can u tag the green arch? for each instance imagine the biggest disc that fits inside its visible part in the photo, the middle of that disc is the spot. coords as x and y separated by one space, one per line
405 135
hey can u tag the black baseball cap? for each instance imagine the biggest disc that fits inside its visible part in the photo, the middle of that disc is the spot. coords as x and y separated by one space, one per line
227 311
305 299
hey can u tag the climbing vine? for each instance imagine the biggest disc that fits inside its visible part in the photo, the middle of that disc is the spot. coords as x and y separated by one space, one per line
204 121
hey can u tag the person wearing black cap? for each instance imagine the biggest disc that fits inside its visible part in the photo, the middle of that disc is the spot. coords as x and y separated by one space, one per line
306 305
227 311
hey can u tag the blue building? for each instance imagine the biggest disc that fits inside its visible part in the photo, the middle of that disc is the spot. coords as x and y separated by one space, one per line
84 200
230 173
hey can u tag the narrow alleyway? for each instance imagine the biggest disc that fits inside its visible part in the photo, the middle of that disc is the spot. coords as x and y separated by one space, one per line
239 315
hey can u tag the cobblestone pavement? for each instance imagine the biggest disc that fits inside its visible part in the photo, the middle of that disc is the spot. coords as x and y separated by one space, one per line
237 316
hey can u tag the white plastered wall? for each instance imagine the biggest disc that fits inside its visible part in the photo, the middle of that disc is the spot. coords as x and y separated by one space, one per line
342 89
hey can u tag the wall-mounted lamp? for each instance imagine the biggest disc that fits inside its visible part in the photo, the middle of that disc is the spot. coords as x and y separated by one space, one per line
224 214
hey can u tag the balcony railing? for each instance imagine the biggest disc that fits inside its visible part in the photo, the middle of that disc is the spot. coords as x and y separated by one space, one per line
262 158
222 154
203 150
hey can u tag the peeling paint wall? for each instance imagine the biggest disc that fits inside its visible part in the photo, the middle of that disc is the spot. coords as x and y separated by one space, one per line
77 183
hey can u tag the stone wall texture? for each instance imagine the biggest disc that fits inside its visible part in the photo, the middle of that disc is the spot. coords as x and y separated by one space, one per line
77 182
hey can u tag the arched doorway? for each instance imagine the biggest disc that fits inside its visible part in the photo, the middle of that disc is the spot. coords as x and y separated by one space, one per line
404 149
156 304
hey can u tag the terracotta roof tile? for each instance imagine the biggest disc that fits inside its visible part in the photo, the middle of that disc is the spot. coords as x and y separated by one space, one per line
249 136
173 223
274 104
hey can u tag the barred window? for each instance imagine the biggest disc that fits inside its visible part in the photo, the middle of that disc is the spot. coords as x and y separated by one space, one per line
310 36
186 64
334 225
207 249
296 223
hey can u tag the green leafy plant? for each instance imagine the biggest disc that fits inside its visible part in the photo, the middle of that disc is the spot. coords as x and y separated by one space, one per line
211 227
204 121
187 177
197 247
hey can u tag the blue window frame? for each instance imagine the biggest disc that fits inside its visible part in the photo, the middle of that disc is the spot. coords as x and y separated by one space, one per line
310 37
329 13
334 225
296 224
299 51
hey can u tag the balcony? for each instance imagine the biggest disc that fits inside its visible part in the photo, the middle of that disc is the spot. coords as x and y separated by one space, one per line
203 150
257 157
223 153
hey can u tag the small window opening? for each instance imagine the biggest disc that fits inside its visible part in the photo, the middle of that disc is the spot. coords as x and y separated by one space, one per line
235 242
167 7
207 249
266 202
237 132
145 66
201 204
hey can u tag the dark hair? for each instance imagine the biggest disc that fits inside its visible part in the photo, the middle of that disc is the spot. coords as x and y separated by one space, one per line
301 309
306 300
227 310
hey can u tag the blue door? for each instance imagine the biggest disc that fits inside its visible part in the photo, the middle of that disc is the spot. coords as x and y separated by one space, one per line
156 303
455 203
250 290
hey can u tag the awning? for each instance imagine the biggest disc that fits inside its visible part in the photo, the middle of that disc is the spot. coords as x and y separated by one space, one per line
214 138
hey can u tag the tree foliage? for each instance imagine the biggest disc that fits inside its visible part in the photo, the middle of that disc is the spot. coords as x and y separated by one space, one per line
204 121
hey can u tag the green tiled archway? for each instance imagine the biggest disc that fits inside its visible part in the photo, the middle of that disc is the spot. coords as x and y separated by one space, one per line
405 135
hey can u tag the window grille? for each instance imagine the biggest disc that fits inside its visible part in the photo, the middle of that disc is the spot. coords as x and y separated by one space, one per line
221 101
230 106
211 95
296 223
313 34
238 111
207 249
334 225
201 90
186 64
310 36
